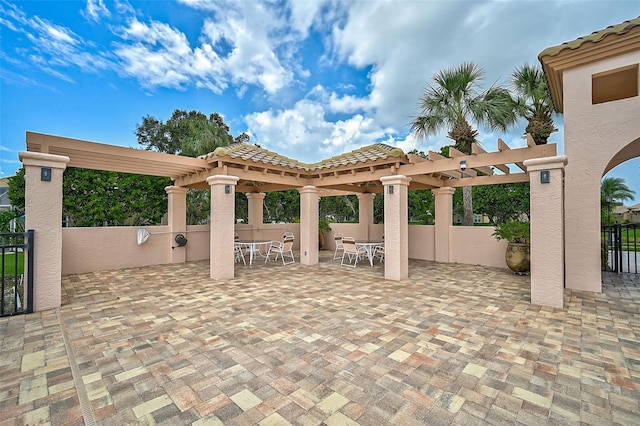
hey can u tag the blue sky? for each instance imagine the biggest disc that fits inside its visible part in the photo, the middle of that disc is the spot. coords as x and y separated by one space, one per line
306 79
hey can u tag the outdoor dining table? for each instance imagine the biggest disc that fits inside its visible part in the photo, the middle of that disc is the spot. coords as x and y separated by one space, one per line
253 246
370 247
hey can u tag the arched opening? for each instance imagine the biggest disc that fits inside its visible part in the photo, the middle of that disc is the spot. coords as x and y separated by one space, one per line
620 213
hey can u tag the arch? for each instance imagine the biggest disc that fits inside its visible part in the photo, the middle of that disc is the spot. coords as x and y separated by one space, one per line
629 152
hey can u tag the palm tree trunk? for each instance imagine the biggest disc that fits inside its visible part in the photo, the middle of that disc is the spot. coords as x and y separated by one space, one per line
467 199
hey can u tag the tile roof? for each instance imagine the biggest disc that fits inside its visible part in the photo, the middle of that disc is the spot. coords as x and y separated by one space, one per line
594 37
248 152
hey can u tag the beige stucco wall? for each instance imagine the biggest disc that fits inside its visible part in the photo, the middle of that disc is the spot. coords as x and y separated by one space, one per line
95 249
421 242
197 247
474 245
593 134
114 247
269 231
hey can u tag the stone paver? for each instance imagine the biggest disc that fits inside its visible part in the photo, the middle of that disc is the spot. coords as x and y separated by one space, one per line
453 344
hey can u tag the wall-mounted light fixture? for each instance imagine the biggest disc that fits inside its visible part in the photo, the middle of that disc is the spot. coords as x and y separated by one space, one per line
390 189
463 165
227 189
45 174
544 176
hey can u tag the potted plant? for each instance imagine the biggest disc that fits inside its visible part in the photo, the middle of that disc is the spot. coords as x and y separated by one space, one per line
323 226
518 234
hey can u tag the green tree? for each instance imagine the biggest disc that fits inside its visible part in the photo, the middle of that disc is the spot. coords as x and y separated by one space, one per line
533 102
282 206
191 134
502 203
616 190
98 198
186 133
613 191
452 102
16 190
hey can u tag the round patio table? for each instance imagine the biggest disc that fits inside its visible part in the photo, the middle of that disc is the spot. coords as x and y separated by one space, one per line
252 246
369 246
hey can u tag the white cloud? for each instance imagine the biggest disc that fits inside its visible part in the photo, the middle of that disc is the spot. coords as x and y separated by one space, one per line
95 10
304 133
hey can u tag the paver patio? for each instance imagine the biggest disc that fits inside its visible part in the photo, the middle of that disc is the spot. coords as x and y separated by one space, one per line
454 344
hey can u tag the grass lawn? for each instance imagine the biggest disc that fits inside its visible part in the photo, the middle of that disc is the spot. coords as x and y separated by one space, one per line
10 263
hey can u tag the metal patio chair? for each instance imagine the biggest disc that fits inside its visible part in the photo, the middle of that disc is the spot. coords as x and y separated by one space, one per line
282 248
339 246
351 252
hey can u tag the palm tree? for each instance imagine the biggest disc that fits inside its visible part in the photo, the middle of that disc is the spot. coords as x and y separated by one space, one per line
452 101
533 102
612 191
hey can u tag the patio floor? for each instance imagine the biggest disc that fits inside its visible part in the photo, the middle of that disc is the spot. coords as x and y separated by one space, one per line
454 344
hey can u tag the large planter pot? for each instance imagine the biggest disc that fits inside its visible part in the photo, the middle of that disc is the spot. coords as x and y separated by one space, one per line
518 257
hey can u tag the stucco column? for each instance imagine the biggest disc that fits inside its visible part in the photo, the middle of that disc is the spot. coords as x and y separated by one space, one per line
309 225
396 227
177 219
547 230
43 214
256 207
223 204
365 210
443 221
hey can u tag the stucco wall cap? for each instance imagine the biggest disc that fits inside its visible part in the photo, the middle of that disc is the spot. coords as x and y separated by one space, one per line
395 180
309 189
444 190
40 159
557 162
222 180
172 189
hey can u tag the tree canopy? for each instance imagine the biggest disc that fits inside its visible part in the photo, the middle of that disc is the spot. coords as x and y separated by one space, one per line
615 190
533 101
99 198
186 133
452 102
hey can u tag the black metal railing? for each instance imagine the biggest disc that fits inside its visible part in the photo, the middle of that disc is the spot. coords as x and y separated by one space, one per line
620 248
17 264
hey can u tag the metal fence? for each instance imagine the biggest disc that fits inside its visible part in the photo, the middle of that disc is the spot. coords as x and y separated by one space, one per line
620 248
17 264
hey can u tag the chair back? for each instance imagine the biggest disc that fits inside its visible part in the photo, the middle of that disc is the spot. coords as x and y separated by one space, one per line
349 245
287 244
338 237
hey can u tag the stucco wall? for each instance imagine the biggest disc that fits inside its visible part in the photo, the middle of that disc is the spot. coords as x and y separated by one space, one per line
474 245
593 134
269 231
96 249
198 242
421 243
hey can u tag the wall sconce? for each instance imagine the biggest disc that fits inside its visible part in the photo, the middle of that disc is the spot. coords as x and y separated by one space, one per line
390 189
227 189
45 174
463 165
544 176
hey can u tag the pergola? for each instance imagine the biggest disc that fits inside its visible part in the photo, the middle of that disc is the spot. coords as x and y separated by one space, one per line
377 168
261 170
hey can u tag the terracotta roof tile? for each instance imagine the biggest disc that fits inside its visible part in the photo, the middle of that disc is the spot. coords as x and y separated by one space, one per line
248 152
594 37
